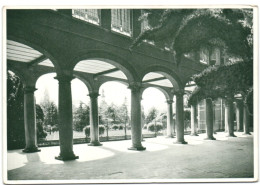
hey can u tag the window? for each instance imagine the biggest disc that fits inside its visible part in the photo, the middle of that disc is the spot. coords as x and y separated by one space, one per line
204 55
121 21
215 57
88 15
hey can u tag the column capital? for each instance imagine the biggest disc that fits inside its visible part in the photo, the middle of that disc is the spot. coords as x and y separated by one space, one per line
135 86
29 89
93 94
169 101
64 78
178 92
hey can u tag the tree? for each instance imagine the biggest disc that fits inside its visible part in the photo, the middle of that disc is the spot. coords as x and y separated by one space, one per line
41 133
103 109
81 117
224 81
15 112
50 111
112 113
152 114
187 30
123 112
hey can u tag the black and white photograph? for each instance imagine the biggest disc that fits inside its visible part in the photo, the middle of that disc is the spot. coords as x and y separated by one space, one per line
126 94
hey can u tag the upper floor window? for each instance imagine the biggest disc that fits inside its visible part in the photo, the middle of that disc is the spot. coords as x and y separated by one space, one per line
215 56
121 21
88 15
204 55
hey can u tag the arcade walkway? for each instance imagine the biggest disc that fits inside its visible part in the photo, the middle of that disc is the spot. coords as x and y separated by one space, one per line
224 158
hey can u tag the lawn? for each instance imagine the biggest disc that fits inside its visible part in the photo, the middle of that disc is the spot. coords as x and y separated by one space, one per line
55 135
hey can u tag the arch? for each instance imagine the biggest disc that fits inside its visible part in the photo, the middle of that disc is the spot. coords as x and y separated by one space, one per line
110 58
38 48
112 80
107 81
165 93
86 82
168 73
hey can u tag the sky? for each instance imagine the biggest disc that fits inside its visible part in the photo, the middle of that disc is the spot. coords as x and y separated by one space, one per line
115 92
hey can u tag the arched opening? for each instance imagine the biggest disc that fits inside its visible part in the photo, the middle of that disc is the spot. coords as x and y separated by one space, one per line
47 103
165 83
46 97
80 109
114 111
154 112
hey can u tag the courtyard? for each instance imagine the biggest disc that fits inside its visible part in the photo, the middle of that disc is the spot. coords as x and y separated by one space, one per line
224 158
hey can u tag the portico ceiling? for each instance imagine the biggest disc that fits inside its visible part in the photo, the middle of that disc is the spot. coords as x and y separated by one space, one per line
20 52
23 53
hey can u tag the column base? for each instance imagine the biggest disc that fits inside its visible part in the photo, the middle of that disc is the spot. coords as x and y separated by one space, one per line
95 143
31 150
180 142
210 138
231 135
246 134
67 157
194 134
139 148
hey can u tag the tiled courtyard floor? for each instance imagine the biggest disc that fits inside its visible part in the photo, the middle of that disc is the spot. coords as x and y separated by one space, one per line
224 158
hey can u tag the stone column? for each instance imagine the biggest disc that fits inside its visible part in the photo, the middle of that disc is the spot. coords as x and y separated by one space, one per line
30 120
193 120
94 121
229 117
65 119
246 120
222 126
179 117
169 119
239 116
209 119
226 117
136 126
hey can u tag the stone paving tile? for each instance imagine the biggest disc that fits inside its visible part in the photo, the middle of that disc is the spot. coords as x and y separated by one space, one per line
223 158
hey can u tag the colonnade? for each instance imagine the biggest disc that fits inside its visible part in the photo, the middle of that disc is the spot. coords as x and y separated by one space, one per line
242 118
65 117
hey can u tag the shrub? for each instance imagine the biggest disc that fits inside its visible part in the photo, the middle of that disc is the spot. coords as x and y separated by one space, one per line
145 126
151 126
86 130
121 127
55 128
41 134
115 127
101 129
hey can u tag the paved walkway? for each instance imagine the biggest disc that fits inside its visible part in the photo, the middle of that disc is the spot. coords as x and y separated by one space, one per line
223 158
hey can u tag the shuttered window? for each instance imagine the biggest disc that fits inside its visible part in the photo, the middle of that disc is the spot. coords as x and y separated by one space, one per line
121 21
88 15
